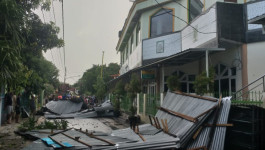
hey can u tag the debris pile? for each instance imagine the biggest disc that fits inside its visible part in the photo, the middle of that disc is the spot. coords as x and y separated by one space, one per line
184 121
68 109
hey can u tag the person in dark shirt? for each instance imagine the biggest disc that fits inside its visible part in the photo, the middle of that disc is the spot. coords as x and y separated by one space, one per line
17 108
9 107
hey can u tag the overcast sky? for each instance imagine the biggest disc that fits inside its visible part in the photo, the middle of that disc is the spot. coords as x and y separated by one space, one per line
91 26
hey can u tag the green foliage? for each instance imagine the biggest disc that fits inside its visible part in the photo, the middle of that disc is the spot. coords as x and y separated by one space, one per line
89 78
117 107
100 88
201 82
119 90
49 89
173 82
30 124
23 38
133 87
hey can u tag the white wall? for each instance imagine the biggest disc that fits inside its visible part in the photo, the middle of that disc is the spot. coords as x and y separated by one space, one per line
172 45
134 60
256 60
205 23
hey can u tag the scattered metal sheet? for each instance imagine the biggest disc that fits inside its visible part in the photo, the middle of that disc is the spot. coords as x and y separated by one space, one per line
105 106
104 110
188 105
64 106
37 145
203 138
37 134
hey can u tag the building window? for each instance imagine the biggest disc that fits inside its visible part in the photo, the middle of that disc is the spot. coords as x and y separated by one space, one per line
131 46
138 29
126 53
161 22
225 80
121 58
195 9
186 82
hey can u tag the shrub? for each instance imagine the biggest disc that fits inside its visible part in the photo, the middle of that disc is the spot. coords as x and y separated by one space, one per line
173 82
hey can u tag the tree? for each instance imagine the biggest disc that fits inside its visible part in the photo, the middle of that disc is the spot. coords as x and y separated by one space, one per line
100 88
23 38
89 78
132 89
11 39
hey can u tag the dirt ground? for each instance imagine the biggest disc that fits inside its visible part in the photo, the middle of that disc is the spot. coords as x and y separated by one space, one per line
9 140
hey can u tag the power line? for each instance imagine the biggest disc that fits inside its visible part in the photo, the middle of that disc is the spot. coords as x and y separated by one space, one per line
183 20
60 57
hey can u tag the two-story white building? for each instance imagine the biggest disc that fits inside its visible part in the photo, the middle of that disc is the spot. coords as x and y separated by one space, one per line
185 37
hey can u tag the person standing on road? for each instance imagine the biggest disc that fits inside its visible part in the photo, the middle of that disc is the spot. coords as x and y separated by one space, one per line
14 99
17 108
32 105
8 102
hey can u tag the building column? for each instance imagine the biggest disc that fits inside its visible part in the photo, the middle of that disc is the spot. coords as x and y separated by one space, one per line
137 103
158 79
144 104
162 79
244 58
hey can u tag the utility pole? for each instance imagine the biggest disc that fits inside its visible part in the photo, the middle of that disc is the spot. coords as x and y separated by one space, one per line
64 44
102 64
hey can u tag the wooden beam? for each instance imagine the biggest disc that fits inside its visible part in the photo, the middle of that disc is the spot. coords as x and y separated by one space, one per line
151 122
164 126
189 118
206 112
219 125
158 123
58 142
196 96
98 138
155 122
82 142
140 136
197 133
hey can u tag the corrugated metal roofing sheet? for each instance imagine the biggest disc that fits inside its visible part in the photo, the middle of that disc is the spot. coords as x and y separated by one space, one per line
220 132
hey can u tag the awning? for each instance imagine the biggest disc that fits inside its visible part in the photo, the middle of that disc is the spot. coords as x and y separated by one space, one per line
178 59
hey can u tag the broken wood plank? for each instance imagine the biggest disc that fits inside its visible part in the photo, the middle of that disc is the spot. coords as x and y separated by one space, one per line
98 138
189 118
73 138
58 142
164 126
196 96
158 123
197 133
206 112
219 125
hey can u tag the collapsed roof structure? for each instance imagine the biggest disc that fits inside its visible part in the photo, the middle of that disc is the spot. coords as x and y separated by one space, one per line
67 109
183 121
